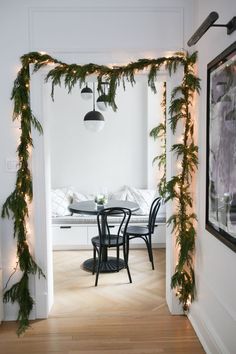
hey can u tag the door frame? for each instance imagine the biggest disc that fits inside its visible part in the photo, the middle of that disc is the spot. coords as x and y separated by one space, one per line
41 206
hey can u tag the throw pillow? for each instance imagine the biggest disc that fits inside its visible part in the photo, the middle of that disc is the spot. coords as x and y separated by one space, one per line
119 195
143 197
80 197
60 200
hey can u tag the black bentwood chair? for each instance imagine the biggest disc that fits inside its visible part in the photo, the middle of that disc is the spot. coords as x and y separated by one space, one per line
108 239
145 232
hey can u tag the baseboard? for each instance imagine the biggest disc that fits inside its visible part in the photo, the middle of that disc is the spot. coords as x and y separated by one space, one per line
209 339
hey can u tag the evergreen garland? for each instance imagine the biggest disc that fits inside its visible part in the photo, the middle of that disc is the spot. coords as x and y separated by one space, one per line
160 132
18 201
179 187
17 204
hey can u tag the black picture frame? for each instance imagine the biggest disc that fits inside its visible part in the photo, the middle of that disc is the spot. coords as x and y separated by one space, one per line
221 147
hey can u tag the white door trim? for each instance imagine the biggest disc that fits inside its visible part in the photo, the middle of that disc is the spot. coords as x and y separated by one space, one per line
41 199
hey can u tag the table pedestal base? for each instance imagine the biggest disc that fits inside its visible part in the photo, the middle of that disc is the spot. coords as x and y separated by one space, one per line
106 267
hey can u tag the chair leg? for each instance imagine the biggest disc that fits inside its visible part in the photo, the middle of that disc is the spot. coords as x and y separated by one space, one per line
127 248
148 241
150 250
99 264
94 259
117 258
145 238
126 263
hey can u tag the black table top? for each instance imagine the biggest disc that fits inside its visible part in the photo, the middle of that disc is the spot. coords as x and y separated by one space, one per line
90 207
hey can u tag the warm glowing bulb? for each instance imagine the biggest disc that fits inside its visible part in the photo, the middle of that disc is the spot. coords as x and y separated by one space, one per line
188 302
30 150
28 227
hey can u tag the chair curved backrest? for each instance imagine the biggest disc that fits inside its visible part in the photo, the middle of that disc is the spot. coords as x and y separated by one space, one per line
105 233
153 213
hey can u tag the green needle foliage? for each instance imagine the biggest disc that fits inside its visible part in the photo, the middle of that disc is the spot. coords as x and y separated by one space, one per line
17 203
69 75
179 187
160 132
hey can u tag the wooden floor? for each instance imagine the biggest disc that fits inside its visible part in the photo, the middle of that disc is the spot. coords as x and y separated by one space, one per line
116 317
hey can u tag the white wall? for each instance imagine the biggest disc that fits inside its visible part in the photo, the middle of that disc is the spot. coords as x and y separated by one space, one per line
27 25
213 314
121 154
114 157
57 26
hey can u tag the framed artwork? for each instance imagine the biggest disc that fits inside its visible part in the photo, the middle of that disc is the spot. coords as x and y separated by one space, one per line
221 147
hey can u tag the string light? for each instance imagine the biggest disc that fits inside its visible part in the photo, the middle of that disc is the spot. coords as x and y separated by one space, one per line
188 302
28 230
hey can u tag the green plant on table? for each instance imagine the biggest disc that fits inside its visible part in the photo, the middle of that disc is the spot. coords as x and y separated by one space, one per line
100 199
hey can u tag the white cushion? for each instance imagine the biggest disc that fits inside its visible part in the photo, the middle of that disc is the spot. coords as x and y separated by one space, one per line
60 200
119 195
80 197
143 197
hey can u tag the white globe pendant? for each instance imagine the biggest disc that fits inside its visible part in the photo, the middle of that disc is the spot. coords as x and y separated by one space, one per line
86 93
102 102
94 121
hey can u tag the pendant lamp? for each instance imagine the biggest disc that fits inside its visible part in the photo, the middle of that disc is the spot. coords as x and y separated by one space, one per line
86 92
102 101
94 120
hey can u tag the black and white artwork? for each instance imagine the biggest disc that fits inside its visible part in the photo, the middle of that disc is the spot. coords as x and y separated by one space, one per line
221 147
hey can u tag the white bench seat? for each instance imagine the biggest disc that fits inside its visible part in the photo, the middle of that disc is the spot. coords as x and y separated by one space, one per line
92 219
74 232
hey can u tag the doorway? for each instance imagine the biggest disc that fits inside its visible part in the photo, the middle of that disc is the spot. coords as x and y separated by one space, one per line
41 185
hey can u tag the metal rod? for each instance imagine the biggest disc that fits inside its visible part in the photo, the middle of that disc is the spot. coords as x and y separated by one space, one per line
219 25
93 96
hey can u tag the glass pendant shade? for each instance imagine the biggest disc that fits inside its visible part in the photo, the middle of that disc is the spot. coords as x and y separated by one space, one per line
94 121
102 102
86 93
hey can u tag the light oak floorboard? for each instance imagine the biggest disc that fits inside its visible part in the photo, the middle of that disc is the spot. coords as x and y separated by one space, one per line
114 317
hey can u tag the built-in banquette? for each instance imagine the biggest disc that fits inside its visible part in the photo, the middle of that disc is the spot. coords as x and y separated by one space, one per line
74 231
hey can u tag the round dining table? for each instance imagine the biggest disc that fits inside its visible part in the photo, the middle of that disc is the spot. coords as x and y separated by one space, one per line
108 264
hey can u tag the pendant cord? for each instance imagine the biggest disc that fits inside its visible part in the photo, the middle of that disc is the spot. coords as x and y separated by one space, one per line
93 96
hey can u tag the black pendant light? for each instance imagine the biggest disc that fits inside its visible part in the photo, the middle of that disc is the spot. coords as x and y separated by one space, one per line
102 101
86 92
94 120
